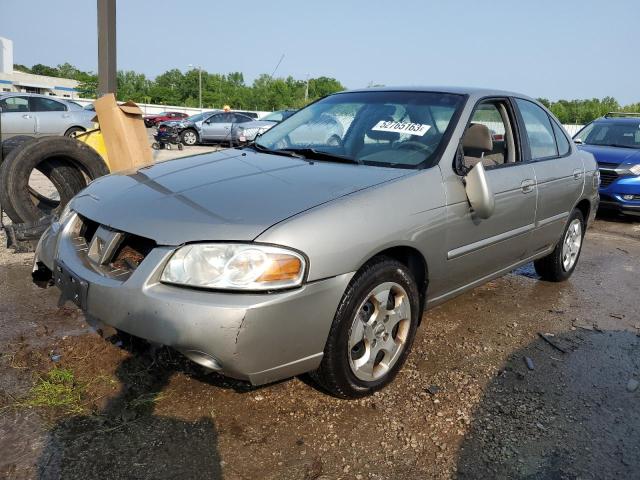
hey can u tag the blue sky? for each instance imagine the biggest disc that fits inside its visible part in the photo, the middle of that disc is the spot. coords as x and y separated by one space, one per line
544 48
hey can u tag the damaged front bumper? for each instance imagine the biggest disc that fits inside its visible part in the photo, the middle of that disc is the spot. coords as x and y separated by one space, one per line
260 337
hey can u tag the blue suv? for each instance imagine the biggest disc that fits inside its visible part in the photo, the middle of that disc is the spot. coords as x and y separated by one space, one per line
615 142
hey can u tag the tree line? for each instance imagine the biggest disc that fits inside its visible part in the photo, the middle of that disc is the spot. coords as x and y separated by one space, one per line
174 87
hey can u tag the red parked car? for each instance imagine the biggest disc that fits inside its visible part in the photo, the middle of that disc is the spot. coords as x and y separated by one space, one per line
152 120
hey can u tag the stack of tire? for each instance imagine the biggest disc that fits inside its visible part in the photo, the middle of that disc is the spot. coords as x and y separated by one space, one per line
68 164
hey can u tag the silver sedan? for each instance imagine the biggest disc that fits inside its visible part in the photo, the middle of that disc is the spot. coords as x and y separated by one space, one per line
34 115
318 250
242 133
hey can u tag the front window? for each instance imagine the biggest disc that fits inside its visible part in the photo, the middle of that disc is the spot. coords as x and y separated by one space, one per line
611 134
397 129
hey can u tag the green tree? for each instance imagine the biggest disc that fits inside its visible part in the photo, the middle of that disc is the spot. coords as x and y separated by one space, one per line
39 69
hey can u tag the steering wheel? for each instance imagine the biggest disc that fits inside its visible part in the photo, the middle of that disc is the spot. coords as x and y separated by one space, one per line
414 145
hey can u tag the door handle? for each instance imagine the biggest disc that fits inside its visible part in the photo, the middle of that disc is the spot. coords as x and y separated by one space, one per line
26 115
577 174
65 115
527 186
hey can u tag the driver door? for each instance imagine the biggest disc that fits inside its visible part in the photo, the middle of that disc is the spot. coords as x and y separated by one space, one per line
477 248
17 119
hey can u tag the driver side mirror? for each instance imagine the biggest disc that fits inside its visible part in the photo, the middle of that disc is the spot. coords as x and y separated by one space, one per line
479 192
577 141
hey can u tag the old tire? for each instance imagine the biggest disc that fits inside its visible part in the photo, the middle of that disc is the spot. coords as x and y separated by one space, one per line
560 264
12 143
344 371
65 161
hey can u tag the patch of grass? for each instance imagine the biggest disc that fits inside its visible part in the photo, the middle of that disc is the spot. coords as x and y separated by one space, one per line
57 389
147 400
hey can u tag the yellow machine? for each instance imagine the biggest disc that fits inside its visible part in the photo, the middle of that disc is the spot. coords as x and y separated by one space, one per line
95 140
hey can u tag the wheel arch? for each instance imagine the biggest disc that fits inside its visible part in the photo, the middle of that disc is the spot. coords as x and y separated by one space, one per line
413 259
584 206
74 127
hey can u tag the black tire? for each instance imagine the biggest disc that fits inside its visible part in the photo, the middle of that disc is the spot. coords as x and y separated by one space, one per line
188 139
73 130
335 374
14 142
65 161
180 146
155 146
551 268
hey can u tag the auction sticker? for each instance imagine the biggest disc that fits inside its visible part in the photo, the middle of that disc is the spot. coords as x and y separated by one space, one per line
401 127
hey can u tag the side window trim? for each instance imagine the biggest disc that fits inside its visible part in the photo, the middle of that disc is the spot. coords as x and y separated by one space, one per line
559 126
515 130
525 139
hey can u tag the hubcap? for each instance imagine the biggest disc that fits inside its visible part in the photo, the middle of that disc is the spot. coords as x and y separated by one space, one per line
189 138
379 331
571 244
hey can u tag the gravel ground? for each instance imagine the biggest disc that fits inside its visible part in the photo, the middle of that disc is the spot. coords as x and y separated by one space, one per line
465 405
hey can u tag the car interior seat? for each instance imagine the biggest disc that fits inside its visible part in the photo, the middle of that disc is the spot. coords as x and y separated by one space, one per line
476 143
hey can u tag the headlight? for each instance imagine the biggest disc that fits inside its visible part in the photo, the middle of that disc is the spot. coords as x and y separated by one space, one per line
635 169
65 215
235 266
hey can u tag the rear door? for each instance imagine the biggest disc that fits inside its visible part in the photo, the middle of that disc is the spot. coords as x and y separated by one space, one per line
477 248
558 169
52 117
16 119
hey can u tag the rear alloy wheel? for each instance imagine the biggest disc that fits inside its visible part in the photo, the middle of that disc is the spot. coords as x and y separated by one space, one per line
560 264
189 137
372 331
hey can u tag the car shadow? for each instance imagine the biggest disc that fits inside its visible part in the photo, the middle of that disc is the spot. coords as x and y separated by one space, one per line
127 439
612 216
575 415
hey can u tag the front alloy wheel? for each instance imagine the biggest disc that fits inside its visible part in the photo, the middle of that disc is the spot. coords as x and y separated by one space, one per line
372 330
379 331
189 137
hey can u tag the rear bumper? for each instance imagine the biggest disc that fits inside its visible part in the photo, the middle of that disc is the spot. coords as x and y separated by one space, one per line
256 337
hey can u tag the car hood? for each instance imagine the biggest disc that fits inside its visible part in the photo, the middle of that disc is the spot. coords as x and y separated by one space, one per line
613 155
228 195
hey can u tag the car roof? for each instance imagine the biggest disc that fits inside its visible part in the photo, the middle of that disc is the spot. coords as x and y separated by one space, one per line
470 91
616 119
25 94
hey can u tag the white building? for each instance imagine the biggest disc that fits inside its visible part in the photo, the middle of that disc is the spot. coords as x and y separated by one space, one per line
14 81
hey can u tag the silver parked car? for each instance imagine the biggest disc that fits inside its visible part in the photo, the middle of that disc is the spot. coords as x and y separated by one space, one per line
37 115
293 256
209 127
242 133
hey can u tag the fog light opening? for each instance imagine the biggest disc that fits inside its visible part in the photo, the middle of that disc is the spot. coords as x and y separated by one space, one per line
203 359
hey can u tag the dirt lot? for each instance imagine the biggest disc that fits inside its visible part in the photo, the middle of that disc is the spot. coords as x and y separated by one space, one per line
466 405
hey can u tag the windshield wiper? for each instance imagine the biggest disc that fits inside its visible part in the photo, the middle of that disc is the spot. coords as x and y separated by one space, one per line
312 153
261 148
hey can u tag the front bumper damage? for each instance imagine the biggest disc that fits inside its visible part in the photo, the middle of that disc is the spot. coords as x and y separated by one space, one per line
260 337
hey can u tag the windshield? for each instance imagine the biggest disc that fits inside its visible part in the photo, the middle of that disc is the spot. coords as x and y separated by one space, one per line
195 118
612 134
398 129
